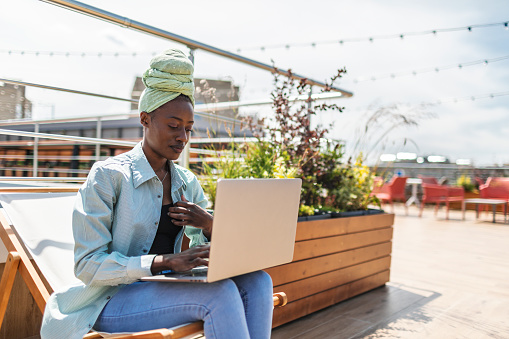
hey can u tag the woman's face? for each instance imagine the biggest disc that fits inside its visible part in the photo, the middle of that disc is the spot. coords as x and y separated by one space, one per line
167 129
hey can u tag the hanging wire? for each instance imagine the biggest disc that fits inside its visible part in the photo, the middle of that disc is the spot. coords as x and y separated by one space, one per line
444 100
312 44
469 98
77 54
400 36
429 69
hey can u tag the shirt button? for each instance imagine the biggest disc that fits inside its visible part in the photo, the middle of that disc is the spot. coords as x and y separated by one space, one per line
145 251
156 223
108 297
159 196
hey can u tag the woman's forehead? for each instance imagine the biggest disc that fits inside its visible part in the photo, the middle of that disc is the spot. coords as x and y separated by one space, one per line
176 109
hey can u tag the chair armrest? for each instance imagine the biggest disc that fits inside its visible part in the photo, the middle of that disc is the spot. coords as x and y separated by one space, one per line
280 299
494 193
455 191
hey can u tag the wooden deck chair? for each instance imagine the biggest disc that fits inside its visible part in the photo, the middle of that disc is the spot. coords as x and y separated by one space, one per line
50 244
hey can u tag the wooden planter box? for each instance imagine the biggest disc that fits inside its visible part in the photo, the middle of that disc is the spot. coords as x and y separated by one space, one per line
468 195
335 259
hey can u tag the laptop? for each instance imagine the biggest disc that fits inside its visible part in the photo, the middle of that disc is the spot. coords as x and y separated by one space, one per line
254 228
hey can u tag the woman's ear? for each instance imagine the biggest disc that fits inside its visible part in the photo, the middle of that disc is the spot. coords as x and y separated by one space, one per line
144 119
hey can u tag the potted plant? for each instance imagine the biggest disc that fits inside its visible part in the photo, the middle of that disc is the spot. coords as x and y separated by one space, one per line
471 191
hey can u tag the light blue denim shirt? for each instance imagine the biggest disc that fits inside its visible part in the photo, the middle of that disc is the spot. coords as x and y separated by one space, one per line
115 220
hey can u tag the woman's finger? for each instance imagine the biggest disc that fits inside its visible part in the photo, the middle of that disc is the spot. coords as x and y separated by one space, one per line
178 209
177 222
179 216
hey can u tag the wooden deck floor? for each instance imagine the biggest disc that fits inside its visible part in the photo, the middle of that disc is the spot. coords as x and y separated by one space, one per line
449 279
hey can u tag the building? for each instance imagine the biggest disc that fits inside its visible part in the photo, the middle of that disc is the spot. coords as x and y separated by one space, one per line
13 103
206 91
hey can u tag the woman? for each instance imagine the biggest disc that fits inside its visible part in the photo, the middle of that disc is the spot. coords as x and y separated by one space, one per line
129 220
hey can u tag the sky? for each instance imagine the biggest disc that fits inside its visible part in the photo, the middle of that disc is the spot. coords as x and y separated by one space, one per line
451 124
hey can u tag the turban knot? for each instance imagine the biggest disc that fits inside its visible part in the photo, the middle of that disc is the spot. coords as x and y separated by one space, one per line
170 74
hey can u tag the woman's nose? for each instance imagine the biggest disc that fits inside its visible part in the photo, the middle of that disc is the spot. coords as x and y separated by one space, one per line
183 135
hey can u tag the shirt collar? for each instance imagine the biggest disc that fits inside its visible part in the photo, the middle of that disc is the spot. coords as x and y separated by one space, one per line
142 171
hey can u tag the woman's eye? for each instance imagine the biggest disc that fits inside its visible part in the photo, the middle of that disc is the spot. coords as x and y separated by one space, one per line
172 126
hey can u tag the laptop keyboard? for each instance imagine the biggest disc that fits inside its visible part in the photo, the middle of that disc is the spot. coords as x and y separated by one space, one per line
194 274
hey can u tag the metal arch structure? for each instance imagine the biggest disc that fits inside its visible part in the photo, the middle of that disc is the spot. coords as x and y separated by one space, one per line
191 44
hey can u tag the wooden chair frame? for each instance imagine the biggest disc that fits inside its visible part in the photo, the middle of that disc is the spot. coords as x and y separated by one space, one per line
18 261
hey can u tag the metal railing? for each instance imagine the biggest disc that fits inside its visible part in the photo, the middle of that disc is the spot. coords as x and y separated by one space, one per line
184 159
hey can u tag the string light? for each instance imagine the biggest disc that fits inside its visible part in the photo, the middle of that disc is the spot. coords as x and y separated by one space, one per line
431 69
446 100
470 98
287 46
79 54
400 36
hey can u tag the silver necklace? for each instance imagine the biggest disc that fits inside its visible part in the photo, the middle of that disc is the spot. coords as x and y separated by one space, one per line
166 173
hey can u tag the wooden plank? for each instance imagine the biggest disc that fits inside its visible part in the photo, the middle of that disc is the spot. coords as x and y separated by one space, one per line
307 268
22 317
327 298
331 227
6 284
303 288
26 269
318 247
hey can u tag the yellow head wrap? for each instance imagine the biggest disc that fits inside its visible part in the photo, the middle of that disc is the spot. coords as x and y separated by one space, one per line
170 74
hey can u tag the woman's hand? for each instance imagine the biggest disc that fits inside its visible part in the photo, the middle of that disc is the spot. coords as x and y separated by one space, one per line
183 261
187 213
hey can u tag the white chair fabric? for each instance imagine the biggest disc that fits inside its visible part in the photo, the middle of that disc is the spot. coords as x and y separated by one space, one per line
43 221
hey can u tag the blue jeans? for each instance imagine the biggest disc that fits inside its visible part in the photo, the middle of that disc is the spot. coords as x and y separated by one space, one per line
240 307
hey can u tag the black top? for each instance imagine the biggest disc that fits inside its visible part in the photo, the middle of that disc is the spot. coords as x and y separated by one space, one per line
166 234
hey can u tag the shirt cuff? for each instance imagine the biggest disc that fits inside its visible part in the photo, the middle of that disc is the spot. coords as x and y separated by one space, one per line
138 267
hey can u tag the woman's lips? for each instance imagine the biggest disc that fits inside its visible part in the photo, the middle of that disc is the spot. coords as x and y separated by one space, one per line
178 148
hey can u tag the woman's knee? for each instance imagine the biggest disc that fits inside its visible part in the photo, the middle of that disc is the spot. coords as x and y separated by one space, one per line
224 290
259 280
263 278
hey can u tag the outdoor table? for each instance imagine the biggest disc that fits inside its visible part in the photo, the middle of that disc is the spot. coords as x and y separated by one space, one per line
482 201
415 182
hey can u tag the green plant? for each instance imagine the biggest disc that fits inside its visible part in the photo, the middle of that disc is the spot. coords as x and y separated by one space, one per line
356 185
228 164
260 158
465 182
305 210
249 160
